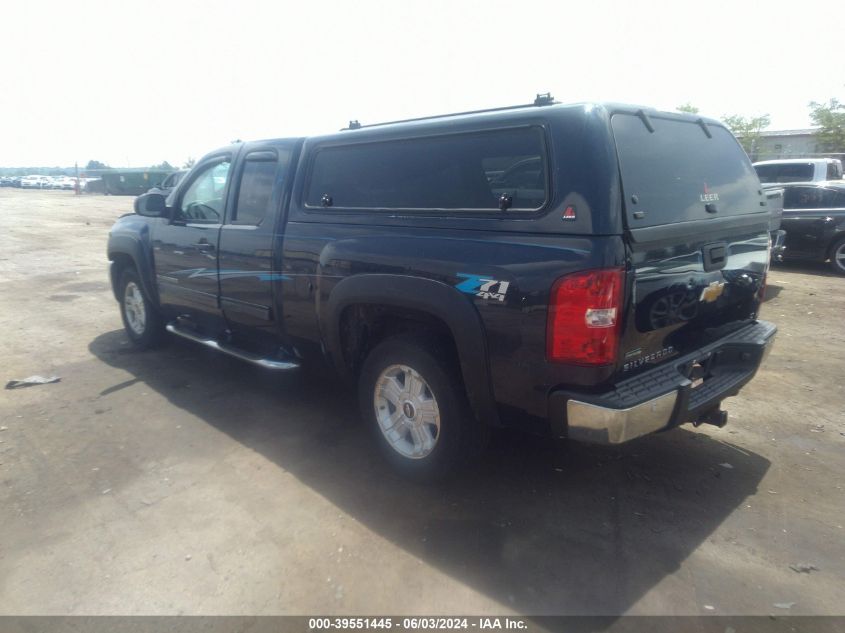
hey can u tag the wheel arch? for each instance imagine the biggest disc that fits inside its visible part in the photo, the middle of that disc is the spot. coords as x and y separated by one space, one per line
126 251
436 306
836 238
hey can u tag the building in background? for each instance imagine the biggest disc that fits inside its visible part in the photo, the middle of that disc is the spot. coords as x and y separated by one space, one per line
775 144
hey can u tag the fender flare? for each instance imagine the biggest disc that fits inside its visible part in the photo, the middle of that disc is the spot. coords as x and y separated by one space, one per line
838 234
423 295
132 247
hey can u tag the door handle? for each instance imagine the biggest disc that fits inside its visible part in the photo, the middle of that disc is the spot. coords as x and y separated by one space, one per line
203 245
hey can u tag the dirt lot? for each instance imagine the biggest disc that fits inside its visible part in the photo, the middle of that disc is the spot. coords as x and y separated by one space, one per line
178 481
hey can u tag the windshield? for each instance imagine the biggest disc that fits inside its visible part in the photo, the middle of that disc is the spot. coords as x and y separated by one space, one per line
678 173
785 172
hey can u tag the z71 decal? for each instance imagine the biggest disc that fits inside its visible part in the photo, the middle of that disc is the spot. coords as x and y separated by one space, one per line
483 287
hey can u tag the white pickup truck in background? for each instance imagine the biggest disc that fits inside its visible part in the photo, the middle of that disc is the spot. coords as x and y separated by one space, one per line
798 170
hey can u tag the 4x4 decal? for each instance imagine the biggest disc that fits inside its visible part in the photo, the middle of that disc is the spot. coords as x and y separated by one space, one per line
483 287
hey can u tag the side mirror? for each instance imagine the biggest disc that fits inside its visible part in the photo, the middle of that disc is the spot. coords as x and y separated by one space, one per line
151 205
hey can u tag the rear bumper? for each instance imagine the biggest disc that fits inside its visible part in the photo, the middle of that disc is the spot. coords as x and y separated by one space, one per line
663 397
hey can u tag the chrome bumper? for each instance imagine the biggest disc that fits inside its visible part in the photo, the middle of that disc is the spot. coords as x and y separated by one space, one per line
591 423
663 397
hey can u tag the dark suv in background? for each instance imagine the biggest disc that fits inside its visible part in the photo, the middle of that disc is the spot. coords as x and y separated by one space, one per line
168 184
814 221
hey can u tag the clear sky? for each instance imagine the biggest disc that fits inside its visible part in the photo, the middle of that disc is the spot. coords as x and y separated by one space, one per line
136 83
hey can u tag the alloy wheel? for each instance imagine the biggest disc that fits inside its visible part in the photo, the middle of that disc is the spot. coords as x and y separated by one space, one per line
407 411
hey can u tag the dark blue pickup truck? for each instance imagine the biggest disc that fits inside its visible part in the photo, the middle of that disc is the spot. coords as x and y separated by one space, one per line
588 271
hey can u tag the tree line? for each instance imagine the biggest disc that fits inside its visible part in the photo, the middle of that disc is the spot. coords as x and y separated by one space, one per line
92 165
828 118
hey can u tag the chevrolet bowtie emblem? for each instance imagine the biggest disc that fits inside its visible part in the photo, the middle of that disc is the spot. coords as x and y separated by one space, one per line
712 292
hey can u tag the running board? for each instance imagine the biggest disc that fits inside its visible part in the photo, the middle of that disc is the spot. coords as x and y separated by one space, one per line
266 363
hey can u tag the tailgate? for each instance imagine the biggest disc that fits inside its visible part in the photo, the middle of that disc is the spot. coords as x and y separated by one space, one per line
697 230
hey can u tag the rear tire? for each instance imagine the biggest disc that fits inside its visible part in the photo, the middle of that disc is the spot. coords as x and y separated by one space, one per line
837 256
412 397
142 322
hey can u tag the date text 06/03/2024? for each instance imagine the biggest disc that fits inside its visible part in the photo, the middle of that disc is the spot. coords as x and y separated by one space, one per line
416 623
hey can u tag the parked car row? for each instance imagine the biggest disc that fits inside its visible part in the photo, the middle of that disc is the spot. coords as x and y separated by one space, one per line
35 181
131 182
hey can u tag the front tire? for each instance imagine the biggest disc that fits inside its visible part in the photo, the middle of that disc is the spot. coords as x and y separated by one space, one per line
837 257
141 320
412 397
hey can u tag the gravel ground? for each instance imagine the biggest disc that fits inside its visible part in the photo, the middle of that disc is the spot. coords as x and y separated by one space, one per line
177 481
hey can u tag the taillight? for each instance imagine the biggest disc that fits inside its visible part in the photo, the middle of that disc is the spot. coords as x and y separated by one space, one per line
584 314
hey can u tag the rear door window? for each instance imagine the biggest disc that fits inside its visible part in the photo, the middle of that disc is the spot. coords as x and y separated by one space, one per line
671 174
805 198
459 172
256 188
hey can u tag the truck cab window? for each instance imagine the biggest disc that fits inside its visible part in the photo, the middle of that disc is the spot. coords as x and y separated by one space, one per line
203 201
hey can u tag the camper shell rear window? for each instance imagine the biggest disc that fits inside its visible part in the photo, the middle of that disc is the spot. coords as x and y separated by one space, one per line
676 170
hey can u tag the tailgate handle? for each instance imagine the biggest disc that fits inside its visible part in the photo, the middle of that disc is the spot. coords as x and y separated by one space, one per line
715 256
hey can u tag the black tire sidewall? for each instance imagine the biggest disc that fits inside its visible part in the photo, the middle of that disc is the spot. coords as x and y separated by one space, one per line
446 386
153 328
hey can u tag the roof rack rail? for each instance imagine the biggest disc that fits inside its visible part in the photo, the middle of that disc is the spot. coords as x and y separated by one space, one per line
543 99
